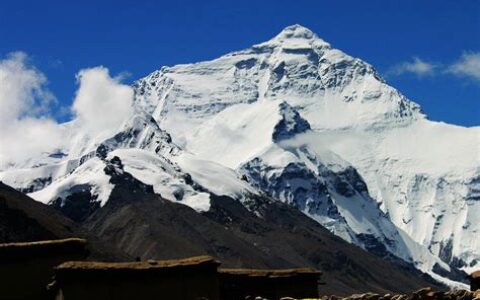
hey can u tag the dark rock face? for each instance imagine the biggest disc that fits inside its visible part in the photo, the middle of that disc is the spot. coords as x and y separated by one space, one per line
290 124
373 245
79 204
348 182
37 184
454 274
446 251
121 178
246 64
57 154
474 190
296 183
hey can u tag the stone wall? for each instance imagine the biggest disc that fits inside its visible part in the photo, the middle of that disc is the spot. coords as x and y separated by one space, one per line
239 284
187 279
27 268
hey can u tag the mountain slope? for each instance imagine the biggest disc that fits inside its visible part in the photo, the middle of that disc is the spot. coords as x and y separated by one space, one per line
274 235
24 220
298 121
349 107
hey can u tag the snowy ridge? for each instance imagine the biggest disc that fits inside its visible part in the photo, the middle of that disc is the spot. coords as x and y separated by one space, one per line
301 122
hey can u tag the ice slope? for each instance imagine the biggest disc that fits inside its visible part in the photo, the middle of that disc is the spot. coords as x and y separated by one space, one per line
299 121
425 176
89 175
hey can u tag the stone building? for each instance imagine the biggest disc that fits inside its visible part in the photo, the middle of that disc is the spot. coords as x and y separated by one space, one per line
27 268
182 279
474 281
271 284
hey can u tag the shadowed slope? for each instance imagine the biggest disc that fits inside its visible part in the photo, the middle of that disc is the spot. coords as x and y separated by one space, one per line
23 219
147 226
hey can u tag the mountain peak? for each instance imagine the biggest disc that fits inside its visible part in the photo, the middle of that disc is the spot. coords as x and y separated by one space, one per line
296 35
296 31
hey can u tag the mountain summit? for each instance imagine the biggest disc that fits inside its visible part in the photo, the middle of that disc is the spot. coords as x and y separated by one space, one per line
296 32
297 121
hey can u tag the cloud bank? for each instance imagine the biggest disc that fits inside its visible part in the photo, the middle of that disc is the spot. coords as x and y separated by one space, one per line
25 127
417 66
27 130
102 102
23 91
468 65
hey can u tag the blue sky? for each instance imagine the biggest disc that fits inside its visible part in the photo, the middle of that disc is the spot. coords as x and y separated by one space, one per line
415 45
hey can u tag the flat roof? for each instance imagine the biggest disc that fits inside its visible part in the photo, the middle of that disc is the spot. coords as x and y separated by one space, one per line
46 248
45 243
135 265
270 273
475 275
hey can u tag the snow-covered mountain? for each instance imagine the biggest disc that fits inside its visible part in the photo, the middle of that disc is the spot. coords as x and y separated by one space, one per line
301 122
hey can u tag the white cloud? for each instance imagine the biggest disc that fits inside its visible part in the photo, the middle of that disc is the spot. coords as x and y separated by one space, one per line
417 66
26 131
102 103
24 97
28 138
23 91
468 65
